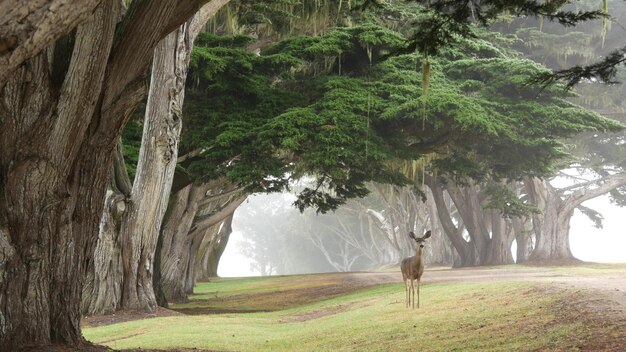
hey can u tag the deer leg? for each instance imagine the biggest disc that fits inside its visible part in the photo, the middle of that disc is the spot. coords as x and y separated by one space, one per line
418 293
407 301
413 293
406 293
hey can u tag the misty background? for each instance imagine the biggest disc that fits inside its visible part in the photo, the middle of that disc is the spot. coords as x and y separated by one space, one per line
257 219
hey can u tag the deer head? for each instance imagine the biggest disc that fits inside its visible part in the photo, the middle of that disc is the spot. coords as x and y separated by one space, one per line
420 240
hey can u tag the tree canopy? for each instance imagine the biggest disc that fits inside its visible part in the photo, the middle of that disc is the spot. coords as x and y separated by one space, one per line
343 106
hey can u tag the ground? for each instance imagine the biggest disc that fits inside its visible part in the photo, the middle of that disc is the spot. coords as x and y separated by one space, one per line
593 296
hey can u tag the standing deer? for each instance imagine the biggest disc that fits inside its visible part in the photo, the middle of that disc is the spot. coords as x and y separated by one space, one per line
413 268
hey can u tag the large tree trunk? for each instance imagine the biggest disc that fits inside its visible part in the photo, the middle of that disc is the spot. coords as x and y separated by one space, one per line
442 252
180 215
59 122
466 250
523 239
499 251
29 27
552 225
468 202
155 169
192 212
102 291
53 189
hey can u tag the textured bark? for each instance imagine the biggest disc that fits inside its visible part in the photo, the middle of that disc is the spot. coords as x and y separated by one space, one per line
552 225
467 201
181 212
102 292
155 169
190 256
191 215
28 27
523 239
490 233
147 202
52 195
59 122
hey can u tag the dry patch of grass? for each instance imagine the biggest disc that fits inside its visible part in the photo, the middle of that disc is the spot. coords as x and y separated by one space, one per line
265 294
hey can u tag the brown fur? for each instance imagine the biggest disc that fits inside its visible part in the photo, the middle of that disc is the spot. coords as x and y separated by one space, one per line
412 269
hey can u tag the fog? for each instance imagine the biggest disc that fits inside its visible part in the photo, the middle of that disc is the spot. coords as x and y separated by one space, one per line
605 245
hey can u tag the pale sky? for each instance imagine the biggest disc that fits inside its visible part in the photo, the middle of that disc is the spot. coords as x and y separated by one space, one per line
606 245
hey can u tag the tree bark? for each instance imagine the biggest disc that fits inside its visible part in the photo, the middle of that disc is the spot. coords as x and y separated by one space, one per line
102 292
442 250
57 137
52 194
155 169
522 238
194 210
29 27
467 251
179 217
552 225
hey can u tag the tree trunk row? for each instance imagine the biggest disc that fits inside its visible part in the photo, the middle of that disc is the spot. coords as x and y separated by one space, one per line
483 236
63 106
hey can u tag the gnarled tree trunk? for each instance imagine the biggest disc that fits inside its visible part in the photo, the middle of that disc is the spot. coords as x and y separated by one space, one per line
102 292
502 236
155 170
523 239
466 250
552 225
59 122
193 211
147 202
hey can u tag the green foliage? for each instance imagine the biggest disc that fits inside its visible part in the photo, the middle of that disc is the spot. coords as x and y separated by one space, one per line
131 136
340 106
508 202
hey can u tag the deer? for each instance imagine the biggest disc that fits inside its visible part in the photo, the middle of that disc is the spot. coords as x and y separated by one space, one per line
412 269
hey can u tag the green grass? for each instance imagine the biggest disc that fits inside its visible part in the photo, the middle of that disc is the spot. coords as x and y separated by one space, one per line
225 287
502 316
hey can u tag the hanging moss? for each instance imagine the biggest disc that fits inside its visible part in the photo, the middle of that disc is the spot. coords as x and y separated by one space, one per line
287 113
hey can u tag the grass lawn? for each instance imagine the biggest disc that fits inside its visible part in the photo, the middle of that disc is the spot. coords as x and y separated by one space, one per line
496 316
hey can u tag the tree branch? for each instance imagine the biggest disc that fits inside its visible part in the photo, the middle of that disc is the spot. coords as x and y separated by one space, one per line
28 27
606 184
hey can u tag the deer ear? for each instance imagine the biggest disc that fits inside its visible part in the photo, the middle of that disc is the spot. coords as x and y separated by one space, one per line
427 234
412 235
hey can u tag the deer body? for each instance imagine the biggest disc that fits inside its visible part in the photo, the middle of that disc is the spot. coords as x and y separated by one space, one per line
412 269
